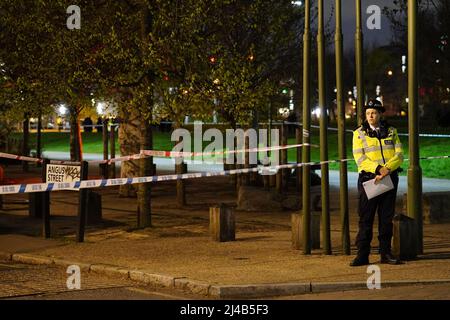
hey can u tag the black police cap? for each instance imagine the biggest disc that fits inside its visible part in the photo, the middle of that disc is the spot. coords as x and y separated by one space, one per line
374 104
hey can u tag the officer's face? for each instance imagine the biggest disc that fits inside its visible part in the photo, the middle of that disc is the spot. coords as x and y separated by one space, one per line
373 116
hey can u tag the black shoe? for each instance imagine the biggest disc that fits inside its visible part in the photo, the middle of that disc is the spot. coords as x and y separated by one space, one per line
359 261
389 259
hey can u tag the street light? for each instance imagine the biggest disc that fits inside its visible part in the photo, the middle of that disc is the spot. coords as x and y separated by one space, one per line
100 108
62 109
390 73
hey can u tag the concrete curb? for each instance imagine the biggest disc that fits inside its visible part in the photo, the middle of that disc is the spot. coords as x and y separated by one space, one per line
5 256
258 290
320 287
85 267
193 286
206 289
110 270
31 258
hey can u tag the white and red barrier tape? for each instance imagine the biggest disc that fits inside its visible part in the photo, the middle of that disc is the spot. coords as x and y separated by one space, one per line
38 160
176 154
156 153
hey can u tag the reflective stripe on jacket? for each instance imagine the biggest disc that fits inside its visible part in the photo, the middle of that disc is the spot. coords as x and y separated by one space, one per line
370 151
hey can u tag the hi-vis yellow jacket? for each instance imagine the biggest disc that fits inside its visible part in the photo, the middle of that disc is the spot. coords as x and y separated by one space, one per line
372 151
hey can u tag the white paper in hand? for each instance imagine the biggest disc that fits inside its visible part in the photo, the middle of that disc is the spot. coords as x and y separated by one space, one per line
382 186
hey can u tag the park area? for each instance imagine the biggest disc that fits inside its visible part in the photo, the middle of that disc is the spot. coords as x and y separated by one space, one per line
429 147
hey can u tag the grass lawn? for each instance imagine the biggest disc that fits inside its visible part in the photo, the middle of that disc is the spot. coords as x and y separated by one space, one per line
436 168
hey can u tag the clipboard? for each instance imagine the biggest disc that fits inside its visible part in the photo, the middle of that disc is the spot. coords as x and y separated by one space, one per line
372 190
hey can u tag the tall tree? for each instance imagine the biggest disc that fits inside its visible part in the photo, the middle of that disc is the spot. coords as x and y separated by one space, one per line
433 36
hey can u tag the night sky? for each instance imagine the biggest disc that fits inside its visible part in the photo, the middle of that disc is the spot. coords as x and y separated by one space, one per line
381 37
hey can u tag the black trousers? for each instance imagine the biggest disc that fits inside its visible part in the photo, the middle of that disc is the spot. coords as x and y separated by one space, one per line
385 203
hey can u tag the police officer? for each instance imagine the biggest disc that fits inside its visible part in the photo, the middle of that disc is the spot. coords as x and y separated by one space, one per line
378 153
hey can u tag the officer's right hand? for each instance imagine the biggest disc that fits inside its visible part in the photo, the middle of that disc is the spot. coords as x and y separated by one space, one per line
378 178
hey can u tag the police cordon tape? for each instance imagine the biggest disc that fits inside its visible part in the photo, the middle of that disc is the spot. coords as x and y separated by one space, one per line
176 154
37 160
55 186
157 153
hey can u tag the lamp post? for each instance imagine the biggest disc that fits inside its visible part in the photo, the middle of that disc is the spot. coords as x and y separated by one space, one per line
343 190
359 64
323 134
414 194
306 156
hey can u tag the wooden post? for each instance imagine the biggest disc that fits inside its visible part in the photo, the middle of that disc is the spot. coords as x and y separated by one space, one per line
38 139
181 188
297 230
284 157
222 223
405 244
105 148
273 180
266 182
112 146
82 203
246 176
94 208
103 170
315 229
45 203
280 173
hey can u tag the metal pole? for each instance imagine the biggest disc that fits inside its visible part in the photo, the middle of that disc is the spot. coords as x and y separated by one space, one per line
105 148
343 190
45 203
298 139
112 146
414 194
323 134
359 65
39 139
82 204
306 156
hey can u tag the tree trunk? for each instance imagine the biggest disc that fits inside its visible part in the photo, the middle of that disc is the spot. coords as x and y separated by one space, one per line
129 142
181 186
39 137
75 137
26 137
146 169
146 138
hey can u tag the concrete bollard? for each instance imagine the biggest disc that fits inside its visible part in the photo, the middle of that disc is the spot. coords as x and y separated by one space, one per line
405 241
297 230
222 223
